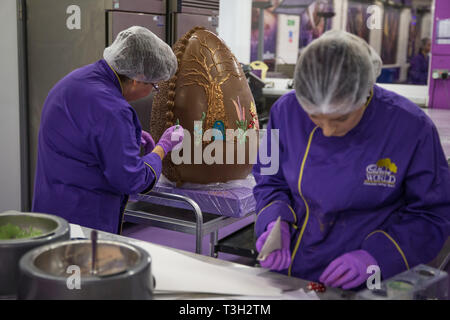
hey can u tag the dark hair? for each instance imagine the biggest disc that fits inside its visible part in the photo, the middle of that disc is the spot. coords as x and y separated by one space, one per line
423 43
124 79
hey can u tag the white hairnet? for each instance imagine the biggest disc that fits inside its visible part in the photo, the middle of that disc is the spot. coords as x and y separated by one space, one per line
335 73
140 55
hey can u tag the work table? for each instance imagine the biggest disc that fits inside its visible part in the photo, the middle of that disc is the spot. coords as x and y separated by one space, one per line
276 280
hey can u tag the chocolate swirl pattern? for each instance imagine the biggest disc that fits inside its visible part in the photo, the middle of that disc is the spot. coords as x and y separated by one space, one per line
208 81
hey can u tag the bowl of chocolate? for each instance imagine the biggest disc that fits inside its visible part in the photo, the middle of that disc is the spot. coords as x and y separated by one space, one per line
76 270
19 233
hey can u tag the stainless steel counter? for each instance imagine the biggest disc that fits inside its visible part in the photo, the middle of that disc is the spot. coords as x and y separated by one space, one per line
277 280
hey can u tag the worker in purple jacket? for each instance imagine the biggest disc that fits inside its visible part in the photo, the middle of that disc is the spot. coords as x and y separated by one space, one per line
363 180
90 137
418 69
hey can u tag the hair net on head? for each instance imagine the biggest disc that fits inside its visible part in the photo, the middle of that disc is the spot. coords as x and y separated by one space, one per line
140 55
335 73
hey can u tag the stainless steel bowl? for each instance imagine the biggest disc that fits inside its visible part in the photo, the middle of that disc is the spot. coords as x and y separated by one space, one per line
52 229
63 271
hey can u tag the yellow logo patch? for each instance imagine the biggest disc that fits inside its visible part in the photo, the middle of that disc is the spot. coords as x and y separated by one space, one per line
382 173
386 163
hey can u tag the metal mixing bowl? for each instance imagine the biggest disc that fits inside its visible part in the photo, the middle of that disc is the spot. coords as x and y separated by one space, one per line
53 229
63 271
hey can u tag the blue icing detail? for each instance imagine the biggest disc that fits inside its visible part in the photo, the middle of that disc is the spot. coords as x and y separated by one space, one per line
221 127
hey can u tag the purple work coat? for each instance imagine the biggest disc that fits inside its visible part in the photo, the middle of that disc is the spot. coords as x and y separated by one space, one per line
384 187
418 69
89 151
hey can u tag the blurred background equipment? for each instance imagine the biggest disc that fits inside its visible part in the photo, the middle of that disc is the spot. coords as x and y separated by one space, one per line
439 88
183 15
261 6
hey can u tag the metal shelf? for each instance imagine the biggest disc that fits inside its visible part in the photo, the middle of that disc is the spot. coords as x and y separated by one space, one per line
178 213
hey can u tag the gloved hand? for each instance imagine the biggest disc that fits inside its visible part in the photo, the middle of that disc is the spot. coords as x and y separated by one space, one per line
171 139
147 142
278 259
348 270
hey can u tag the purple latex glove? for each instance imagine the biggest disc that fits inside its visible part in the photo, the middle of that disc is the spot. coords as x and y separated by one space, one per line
278 259
171 139
147 142
348 270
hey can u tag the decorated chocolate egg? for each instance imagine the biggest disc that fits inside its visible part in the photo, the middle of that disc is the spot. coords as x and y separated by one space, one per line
210 98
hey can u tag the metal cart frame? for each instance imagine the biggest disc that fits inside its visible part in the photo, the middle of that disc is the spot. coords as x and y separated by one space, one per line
194 224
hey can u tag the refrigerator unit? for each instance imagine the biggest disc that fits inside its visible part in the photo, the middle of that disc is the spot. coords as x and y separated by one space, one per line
62 35
183 15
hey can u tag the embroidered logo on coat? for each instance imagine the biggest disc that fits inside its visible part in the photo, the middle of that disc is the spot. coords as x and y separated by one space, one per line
381 174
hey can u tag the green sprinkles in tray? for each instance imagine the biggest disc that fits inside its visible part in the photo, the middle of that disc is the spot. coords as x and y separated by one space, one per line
10 231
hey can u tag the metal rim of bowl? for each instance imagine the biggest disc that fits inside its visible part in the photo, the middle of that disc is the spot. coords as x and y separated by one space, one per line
27 262
62 227
426 273
394 284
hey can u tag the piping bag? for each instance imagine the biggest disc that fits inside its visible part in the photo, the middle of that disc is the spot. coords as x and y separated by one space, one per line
273 241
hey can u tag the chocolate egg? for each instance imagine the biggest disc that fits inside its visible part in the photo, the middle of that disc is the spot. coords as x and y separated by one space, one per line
209 91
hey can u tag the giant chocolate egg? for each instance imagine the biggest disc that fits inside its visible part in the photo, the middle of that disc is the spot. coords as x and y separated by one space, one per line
210 98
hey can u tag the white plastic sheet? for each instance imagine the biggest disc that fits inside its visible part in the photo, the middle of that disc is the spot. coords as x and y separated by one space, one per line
177 272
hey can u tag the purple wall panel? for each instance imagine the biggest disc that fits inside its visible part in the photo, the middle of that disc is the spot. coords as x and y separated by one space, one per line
439 90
